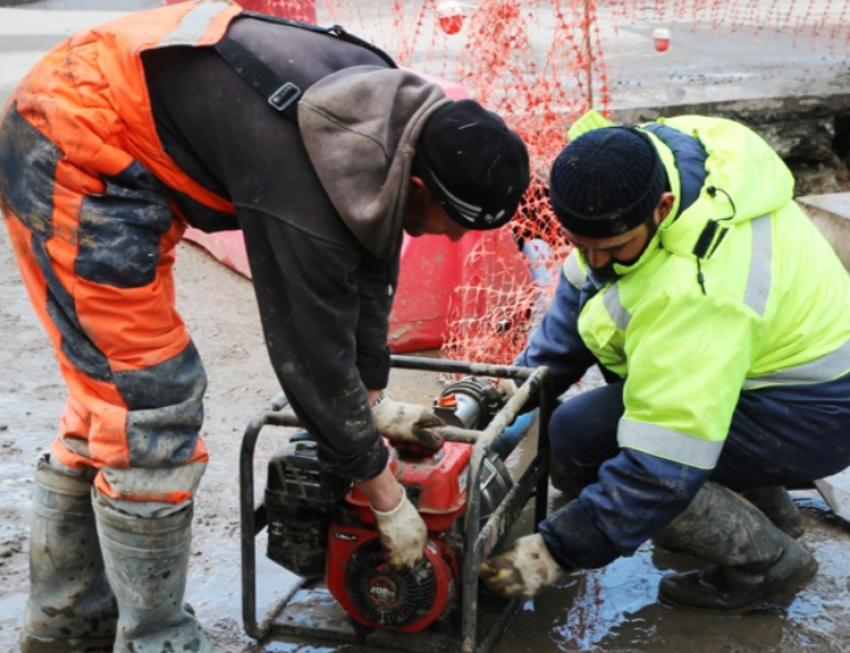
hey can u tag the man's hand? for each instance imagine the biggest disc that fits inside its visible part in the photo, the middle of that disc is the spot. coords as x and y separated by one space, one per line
408 423
522 571
402 533
401 529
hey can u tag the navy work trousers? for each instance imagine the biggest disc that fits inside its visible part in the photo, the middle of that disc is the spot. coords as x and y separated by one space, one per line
780 435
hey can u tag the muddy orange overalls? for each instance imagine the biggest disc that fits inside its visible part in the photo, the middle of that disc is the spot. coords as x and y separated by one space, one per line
88 196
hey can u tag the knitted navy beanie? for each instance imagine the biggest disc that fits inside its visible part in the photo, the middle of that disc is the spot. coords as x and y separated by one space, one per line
606 182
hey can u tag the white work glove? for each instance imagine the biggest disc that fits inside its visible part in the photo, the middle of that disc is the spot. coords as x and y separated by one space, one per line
402 532
522 571
408 423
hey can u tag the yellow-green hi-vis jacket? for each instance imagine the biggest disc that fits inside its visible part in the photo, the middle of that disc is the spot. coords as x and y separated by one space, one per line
775 306
737 291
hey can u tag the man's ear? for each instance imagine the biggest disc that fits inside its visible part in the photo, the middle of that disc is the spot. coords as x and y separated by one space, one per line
665 205
416 182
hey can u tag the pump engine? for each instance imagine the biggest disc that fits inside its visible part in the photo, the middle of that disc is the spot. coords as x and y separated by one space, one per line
320 526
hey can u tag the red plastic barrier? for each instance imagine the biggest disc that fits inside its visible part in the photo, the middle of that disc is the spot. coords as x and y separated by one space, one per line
432 268
302 10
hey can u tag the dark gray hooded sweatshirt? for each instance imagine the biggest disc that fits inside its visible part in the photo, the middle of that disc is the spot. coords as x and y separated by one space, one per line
321 208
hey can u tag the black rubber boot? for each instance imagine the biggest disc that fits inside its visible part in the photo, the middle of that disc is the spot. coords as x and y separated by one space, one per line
71 606
778 507
753 562
147 563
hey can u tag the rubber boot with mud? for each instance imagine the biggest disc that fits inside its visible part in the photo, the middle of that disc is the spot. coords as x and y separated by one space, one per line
71 606
753 563
147 563
778 506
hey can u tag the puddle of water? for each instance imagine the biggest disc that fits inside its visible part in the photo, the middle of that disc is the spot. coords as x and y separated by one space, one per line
616 608
293 647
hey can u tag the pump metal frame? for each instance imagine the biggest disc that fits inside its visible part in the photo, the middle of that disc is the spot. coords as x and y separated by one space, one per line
533 481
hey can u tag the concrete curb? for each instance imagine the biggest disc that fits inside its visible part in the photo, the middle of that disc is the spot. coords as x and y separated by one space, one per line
830 213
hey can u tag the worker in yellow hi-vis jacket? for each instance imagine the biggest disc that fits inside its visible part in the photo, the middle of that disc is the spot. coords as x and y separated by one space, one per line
720 317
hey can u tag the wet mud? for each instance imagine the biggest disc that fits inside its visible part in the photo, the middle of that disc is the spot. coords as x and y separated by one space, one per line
613 609
616 608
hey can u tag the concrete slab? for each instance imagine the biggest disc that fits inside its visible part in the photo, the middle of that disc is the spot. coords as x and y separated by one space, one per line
836 492
831 213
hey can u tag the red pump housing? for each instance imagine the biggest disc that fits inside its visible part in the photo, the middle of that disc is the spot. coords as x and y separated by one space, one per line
358 574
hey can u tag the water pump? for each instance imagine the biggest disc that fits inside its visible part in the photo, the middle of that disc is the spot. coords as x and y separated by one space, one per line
322 527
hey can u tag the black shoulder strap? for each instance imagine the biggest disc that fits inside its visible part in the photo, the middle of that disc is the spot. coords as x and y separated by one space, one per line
336 30
281 96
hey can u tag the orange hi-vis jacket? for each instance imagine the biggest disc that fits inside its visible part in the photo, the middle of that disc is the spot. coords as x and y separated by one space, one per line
89 96
87 196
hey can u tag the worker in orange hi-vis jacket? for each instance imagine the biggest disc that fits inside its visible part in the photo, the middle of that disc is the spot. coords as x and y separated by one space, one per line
324 154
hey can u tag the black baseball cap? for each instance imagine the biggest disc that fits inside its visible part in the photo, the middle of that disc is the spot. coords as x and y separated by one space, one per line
475 166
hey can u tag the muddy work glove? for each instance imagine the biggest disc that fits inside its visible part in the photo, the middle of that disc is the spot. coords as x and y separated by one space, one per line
408 424
402 533
523 571
508 388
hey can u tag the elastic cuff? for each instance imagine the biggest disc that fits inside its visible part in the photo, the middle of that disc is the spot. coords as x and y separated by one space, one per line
565 569
361 467
397 509
374 368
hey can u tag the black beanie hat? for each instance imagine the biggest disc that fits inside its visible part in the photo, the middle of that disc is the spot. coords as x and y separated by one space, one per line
606 182
475 166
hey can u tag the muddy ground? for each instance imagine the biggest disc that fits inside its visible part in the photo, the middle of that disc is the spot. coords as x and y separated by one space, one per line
613 610
608 610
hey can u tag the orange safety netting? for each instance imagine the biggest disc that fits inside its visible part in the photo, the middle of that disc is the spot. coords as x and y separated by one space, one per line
540 64
494 50
540 91
824 22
